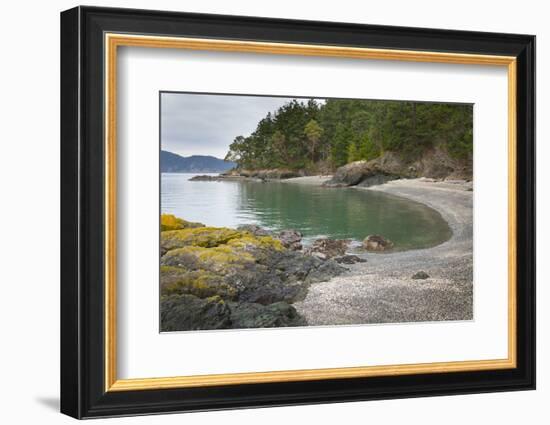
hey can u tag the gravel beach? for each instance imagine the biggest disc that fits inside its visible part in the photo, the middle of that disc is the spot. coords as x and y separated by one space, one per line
382 290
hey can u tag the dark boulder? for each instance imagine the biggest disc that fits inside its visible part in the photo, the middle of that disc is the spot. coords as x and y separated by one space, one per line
188 313
368 173
253 315
377 179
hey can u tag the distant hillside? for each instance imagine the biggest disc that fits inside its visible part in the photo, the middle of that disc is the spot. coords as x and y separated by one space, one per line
173 163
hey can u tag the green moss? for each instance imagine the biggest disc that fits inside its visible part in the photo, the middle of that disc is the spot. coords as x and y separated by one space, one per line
169 269
171 222
216 299
216 259
200 283
206 237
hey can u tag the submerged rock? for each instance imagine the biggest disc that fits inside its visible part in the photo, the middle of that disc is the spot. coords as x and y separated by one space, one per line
377 243
420 275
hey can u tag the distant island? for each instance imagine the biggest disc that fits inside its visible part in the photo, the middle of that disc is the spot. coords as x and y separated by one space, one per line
173 163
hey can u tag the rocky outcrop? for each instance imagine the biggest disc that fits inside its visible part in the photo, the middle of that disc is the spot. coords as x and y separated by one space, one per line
436 164
251 272
267 174
253 315
363 172
377 243
187 313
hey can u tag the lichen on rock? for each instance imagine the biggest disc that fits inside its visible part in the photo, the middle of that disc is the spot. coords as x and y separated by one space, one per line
171 222
253 271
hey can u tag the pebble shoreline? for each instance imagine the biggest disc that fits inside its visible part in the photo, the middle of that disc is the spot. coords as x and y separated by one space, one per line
382 290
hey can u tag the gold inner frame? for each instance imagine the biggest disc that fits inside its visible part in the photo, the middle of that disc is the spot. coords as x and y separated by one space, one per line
113 41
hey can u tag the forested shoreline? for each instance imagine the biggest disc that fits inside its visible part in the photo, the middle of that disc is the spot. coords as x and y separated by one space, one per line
320 136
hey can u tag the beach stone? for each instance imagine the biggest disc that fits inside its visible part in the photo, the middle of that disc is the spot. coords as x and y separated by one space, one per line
377 243
325 248
420 275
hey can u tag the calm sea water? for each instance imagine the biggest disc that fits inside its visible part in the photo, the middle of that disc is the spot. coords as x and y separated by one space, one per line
315 211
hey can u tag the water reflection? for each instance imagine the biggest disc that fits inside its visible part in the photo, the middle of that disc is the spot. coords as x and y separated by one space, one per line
315 211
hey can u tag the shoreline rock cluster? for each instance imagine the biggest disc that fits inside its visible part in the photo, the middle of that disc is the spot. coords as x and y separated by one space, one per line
436 164
222 278
259 175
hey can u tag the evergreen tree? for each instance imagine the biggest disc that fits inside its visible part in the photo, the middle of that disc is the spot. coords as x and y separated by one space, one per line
342 130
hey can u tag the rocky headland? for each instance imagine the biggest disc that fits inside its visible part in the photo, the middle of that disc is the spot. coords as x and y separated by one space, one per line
222 278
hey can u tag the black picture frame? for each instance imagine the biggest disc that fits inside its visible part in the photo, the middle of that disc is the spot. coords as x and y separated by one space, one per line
83 392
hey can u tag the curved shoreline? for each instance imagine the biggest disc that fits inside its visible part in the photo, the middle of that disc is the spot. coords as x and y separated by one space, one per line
382 290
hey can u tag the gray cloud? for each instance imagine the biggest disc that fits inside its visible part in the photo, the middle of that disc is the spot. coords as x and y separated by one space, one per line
203 124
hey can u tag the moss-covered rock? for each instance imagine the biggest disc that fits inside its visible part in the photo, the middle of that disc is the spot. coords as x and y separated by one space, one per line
239 267
249 242
187 313
200 283
217 259
206 237
171 222
253 315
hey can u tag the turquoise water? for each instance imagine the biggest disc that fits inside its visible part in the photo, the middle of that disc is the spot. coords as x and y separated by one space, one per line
315 211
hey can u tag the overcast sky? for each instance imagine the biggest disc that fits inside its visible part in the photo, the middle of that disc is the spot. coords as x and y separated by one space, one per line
203 124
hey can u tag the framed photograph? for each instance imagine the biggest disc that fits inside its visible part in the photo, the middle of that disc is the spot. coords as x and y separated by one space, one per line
261 212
